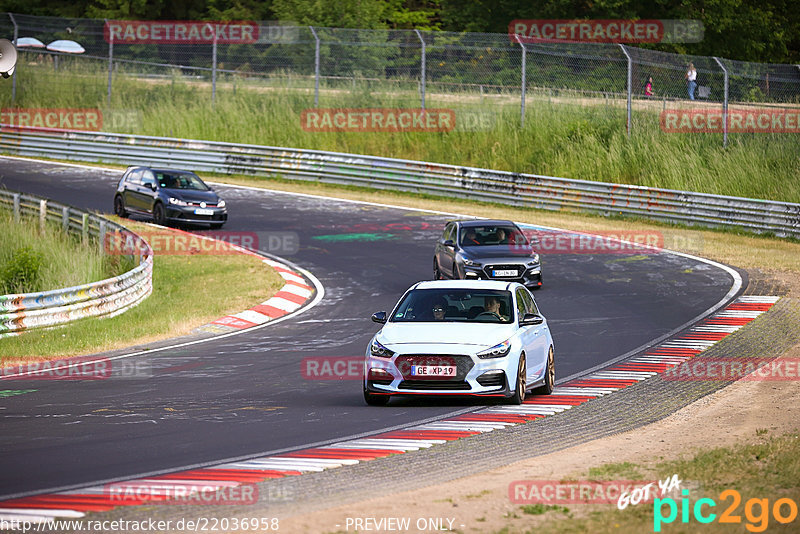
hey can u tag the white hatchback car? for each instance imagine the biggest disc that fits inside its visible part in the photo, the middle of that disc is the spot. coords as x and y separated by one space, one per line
460 337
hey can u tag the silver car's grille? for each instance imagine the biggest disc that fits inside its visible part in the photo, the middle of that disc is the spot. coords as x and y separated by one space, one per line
490 270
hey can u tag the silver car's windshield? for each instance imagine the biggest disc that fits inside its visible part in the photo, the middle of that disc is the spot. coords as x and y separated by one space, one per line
479 236
455 305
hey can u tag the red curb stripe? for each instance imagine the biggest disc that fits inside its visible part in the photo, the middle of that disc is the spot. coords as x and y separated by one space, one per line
603 383
337 454
647 367
750 306
222 477
285 270
706 336
427 434
564 402
270 311
79 507
500 418
292 297
76 498
489 418
728 321
233 322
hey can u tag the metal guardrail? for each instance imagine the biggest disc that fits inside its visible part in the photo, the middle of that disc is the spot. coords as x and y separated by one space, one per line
529 190
19 312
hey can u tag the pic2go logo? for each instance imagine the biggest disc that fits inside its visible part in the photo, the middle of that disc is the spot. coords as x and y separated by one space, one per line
756 511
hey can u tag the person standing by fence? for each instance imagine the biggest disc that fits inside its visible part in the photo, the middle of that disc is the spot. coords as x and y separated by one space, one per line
691 79
648 89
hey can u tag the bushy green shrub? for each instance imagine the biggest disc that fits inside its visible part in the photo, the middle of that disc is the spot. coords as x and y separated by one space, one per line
21 272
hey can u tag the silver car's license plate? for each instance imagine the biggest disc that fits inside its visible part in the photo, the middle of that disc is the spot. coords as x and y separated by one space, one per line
504 272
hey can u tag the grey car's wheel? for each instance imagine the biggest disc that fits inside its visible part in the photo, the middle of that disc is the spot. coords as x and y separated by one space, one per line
549 375
375 400
119 207
437 273
159 217
519 393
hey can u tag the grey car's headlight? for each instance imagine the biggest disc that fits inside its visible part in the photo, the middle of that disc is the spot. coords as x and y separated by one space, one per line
376 349
498 351
534 259
178 202
471 263
221 203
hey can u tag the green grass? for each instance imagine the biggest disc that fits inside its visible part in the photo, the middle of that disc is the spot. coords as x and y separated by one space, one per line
765 470
63 260
188 291
559 139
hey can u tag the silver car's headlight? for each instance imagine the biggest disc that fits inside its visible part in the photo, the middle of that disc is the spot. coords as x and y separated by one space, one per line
534 259
471 263
378 350
498 351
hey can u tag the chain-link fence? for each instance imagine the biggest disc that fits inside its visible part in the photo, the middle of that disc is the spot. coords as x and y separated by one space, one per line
400 67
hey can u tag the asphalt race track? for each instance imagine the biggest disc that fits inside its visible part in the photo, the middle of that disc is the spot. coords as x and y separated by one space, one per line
245 394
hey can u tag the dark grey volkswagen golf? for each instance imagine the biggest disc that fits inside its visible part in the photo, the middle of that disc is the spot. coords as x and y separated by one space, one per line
486 250
169 196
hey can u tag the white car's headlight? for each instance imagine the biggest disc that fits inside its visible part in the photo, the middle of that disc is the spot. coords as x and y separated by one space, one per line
178 202
498 351
221 203
376 349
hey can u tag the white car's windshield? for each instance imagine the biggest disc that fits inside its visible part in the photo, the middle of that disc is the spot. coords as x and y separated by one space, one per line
455 305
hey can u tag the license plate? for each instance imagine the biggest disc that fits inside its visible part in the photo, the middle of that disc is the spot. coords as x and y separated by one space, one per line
433 370
200 211
504 272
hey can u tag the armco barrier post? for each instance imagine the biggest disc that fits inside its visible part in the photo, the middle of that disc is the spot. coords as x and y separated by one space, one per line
42 215
14 76
316 66
214 67
110 60
422 69
16 207
524 82
102 233
85 227
65 219
630 83
724 104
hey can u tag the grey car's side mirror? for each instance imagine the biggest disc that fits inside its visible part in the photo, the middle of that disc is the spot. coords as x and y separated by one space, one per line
531 319
379 317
